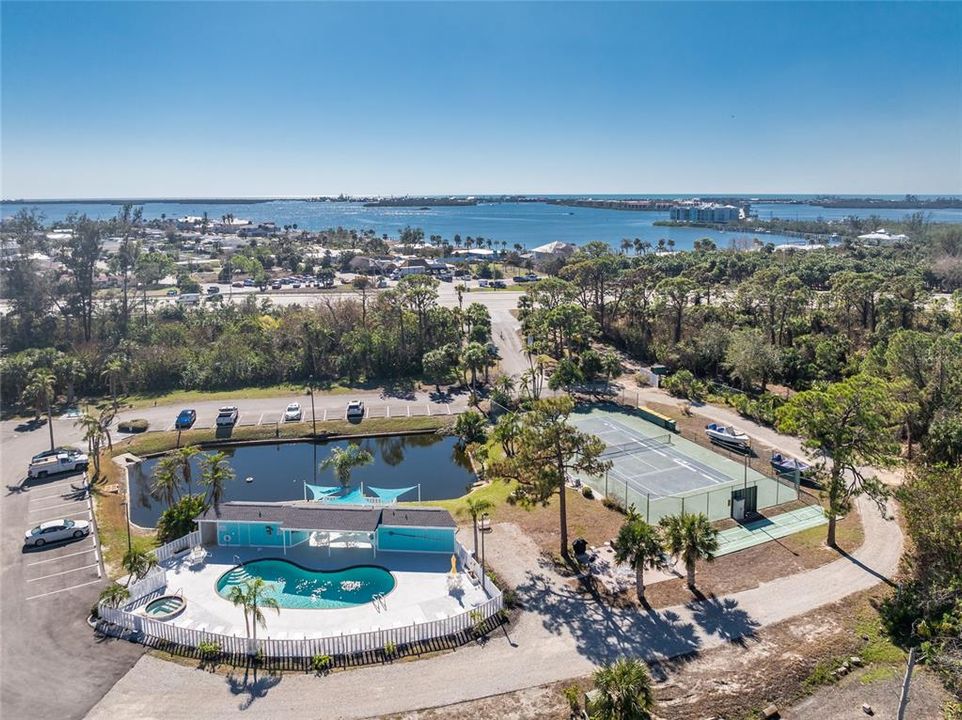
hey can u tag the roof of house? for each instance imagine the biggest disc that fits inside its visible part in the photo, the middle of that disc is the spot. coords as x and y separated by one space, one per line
554 247
319 516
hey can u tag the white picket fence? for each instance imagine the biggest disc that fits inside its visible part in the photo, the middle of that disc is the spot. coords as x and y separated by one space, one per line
155 580
165 552
345 644
469 564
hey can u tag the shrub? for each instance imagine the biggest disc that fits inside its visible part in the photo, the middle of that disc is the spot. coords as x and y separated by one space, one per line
587 492
573 697
390 649
208 649
137 425
477 617
612 504
321 664
178 520
684 385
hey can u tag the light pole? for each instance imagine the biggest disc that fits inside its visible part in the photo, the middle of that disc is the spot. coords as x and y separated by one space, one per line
127 522
310 381
484 524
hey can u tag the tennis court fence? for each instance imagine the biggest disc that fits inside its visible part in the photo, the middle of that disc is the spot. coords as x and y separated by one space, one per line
714 502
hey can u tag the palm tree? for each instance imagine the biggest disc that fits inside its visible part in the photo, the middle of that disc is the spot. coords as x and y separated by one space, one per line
166 483
138 562
182 457
112 372
690 537
215 475
625 245
476 507
93 433
639 546
344 460
251 597
624 691
41 391
114 595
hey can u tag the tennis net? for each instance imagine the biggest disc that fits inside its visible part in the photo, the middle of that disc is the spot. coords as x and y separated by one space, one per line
636 446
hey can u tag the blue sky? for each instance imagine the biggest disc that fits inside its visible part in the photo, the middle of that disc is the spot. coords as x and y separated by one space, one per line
277 99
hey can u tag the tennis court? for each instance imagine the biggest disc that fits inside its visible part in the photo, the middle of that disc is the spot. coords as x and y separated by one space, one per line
664 474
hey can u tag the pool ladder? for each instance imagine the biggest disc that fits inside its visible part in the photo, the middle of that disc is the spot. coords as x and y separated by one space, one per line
380 603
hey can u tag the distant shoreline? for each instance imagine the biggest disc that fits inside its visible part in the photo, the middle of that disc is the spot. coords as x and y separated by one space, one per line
616 202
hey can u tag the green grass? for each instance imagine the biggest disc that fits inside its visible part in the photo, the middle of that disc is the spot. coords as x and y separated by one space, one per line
495 492
878 648
879 673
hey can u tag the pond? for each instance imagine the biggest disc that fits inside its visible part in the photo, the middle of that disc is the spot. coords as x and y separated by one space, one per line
280 470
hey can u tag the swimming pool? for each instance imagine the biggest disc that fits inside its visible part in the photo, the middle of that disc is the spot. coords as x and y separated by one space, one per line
297 587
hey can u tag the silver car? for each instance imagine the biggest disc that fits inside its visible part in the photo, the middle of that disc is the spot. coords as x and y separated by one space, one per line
293 412
55 531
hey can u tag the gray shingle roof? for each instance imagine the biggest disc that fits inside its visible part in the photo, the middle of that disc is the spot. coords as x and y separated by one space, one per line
417 517
318 516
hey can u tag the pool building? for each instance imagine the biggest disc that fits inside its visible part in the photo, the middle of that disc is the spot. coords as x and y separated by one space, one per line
290 525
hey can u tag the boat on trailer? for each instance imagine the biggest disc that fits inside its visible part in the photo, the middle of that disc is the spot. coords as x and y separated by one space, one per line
787 465
727 435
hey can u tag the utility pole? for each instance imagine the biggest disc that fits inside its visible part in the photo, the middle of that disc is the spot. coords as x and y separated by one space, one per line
906 682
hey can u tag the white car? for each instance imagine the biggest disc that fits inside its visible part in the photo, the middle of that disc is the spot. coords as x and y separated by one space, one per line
293 412
355 408
227 416
56 530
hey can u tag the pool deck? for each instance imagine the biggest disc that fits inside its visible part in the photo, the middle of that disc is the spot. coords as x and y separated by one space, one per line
420 595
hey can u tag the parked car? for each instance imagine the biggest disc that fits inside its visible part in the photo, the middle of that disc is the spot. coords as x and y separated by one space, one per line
213 290
248 283
293 412
499 284
186 419
63 449
483 283
56 464
355 408
276 286
227 416
531 277
172 292
56 530
520 278
237 283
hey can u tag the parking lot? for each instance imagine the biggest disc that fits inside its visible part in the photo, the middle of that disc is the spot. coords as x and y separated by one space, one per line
62 566
51 664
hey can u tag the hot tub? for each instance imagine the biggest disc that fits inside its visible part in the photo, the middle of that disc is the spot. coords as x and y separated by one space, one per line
165 607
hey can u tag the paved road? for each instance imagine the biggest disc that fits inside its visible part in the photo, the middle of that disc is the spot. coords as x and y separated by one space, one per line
50 664
561 635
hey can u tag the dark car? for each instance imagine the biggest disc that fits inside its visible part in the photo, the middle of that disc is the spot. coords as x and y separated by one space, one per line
186 419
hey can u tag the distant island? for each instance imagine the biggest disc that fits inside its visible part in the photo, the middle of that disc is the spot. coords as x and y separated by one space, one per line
421 202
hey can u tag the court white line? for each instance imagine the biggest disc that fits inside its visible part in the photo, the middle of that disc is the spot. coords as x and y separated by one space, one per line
61 557
63 572
54 592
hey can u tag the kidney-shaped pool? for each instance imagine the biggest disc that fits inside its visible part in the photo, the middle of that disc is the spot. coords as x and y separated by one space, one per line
297 587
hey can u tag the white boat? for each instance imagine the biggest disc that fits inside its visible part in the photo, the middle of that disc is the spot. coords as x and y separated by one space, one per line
727 435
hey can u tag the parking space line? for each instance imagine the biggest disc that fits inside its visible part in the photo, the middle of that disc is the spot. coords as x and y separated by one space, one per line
59 493
92 548
51 507
54 592
260 420
62 572
387 411
64 515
